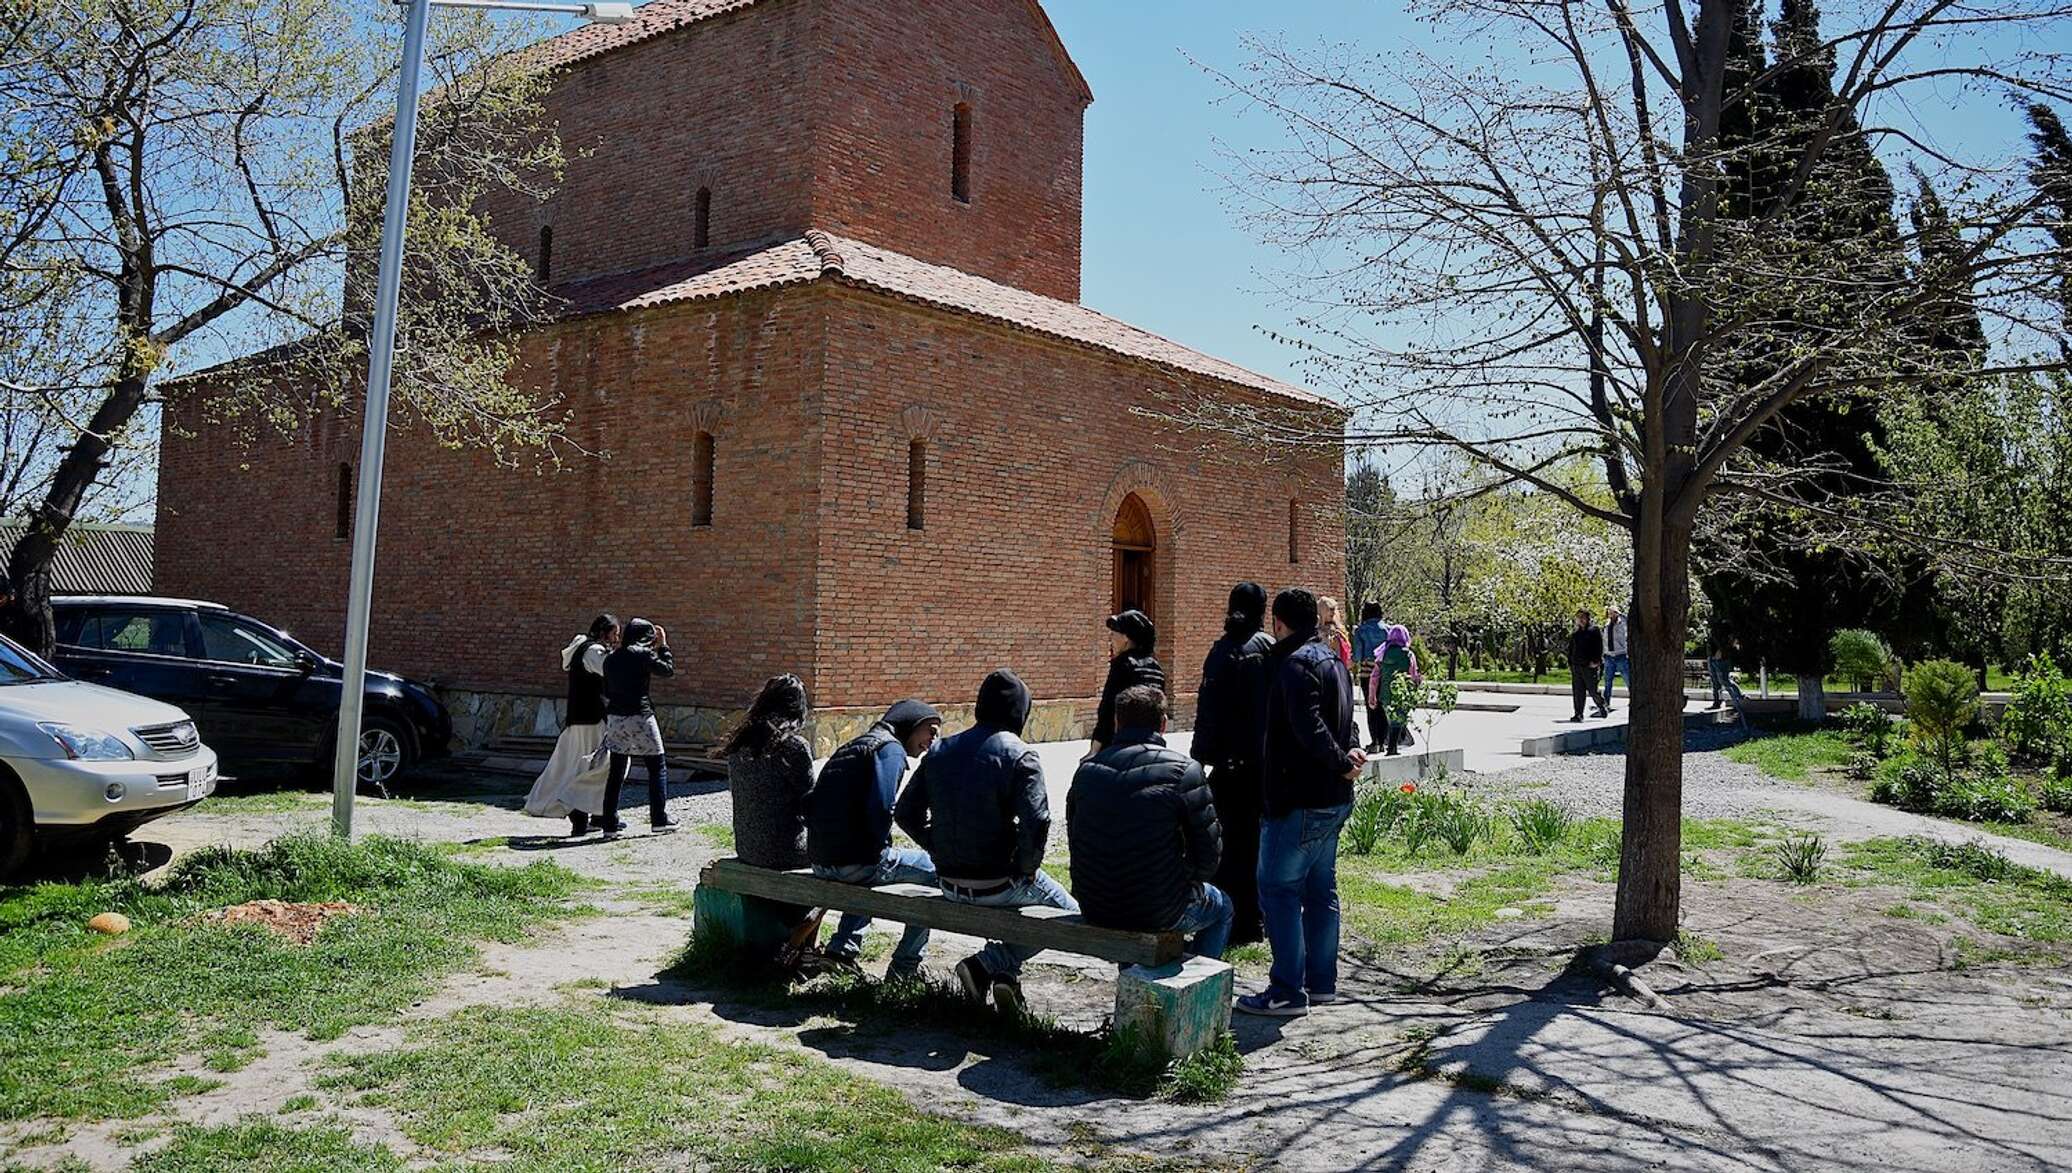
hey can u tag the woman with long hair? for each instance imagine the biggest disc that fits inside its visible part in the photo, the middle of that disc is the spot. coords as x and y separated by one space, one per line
630 728
1332 628
572 784
770 770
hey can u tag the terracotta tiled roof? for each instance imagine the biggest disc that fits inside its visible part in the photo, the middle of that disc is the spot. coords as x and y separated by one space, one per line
657 17
824 256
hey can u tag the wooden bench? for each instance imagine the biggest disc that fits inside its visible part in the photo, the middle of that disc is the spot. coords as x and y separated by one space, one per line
1181 1000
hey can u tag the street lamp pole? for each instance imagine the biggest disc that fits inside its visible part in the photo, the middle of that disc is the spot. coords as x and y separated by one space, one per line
381 353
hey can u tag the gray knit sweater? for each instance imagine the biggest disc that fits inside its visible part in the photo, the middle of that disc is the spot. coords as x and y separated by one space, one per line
770 803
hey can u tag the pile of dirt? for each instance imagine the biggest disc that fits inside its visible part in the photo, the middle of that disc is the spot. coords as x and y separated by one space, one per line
297 922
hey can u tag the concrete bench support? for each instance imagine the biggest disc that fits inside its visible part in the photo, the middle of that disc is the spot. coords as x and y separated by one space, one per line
1184 1005
754 925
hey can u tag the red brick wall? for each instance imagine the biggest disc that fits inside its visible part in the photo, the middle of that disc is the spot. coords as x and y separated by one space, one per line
1032 450
484 571
820 113
884 156
728 103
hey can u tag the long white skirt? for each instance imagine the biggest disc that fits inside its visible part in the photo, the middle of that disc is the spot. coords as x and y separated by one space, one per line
575 776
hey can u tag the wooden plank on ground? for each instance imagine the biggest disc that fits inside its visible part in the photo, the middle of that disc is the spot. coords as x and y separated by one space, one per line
914 904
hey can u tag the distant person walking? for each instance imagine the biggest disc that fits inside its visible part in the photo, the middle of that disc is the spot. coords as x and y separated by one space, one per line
1370 638
1312 758
1616 661
1585 654
574 781
1230 739
1719 665
630 728
1332 624
1132 661
1396 660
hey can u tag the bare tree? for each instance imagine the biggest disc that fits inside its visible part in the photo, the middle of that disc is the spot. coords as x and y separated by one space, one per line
1536 254
187 181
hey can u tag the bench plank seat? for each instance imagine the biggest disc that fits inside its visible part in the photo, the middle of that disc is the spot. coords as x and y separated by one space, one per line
915 904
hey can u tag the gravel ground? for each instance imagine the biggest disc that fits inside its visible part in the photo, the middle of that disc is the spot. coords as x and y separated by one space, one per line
1591 783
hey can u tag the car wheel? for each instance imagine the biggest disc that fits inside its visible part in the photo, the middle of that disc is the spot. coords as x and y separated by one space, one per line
385 753
17 828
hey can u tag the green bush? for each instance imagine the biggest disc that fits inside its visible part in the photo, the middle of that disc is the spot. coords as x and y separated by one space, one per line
1458 821
1979 794
1942 698
1800 856
1860 657
1869 727
1541 824
2038 724
2057 796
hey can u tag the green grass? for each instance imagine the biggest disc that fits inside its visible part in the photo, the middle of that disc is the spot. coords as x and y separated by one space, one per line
579 1089
1794 756
2037 830
263 802
2032 907
82 1016
262 1146
720 835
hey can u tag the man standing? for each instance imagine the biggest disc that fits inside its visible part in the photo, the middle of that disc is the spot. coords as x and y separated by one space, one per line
1616 662
1230 739
1585 653
978 807
1143 833
849 825
1370 640
1312 757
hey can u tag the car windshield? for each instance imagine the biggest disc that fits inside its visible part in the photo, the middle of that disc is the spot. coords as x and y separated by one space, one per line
17 666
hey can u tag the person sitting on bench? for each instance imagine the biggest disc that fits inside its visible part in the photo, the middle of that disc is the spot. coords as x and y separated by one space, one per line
849 826
1144 836
977 805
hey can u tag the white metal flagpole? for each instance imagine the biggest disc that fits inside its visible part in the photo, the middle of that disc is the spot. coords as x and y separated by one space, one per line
381 353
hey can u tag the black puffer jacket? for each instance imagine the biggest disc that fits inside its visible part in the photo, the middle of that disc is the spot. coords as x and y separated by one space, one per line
1143 832
1230 714
1128 670
1309 727
977 803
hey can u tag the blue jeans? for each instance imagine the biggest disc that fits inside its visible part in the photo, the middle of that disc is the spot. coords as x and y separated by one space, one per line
1207 922
1614 666
1038 891
1298 896
895 866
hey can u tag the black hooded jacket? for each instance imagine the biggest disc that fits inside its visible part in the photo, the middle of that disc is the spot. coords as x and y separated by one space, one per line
977 803
1230 713
627 673
1128 670
849 811
1143 832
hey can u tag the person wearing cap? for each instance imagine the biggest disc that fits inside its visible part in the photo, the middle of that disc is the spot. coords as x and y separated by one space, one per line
849 825
1132 641
977 806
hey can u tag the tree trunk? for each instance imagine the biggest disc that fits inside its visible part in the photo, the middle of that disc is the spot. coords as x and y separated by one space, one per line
29 565
1812 699
1650 890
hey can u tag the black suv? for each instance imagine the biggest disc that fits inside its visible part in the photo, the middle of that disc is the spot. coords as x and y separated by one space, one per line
261 699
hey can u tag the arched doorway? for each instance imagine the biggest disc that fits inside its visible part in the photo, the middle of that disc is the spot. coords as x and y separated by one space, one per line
1135 559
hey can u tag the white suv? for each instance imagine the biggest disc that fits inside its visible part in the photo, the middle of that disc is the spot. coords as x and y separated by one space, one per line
79 761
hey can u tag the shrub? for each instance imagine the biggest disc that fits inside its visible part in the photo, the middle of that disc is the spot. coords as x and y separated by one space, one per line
1860 657
1980 795
1972 858
1869 727
2057 796
1363 829
2038 724
1541 824
1458 821
1863 766
1942 698
1800 856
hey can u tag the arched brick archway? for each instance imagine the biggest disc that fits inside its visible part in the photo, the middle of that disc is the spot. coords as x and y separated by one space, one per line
1138 525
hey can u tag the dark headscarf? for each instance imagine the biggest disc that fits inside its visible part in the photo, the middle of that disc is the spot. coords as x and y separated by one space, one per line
1247 611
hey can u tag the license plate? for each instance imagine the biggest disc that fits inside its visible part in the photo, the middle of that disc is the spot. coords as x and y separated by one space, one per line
198 782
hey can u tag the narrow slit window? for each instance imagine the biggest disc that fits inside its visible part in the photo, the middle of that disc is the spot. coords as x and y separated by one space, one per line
1294 532
701 219
344 521
545 268
701 480
917 484
960 153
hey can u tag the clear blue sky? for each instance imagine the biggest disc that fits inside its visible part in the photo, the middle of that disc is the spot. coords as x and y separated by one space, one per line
1163 251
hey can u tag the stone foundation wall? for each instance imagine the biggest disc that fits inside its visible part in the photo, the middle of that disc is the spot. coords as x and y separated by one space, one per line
480 718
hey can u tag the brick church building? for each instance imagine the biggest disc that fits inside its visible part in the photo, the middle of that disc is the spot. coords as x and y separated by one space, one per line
821 267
